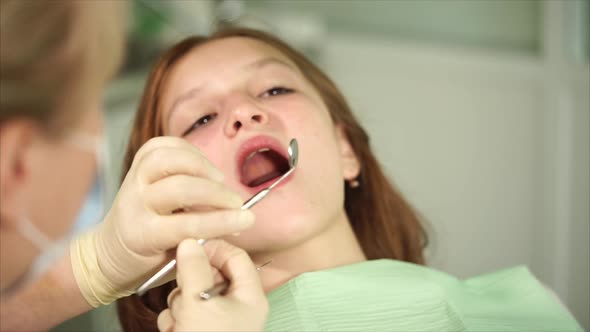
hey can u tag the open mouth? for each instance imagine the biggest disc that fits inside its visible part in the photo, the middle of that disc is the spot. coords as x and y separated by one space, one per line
261 166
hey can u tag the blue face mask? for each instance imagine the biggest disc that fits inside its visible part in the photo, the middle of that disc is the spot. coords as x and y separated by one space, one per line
93 208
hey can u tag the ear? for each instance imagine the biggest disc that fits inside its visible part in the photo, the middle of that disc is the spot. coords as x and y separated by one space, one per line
16 138
351 166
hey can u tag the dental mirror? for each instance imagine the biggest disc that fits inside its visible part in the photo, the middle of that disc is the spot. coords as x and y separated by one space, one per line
293 152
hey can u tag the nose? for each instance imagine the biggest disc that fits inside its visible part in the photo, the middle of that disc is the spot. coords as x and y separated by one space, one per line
244 114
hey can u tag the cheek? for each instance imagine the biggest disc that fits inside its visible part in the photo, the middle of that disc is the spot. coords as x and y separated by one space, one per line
323 165
209 143
324 168
320 170
319 153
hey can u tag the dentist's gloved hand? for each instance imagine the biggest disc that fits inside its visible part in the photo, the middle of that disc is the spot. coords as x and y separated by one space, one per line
135 239
242 308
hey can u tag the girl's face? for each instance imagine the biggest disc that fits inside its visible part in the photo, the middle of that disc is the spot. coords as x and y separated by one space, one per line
240 102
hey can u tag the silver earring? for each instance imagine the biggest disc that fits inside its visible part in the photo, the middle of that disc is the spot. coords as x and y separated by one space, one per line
353 183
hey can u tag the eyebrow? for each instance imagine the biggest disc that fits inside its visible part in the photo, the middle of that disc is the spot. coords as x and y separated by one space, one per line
268 61
251 66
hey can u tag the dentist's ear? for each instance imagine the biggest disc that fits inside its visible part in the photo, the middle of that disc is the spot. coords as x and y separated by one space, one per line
351 166
16 137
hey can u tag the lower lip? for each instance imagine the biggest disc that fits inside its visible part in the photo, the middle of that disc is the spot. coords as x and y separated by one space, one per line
270 182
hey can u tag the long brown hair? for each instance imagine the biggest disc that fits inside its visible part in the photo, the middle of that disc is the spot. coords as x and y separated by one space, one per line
383 221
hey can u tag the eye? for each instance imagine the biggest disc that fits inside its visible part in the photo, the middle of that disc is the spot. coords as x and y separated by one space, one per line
275 91
199 123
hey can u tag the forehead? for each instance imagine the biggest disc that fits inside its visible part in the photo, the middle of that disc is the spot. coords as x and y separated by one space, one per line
220 58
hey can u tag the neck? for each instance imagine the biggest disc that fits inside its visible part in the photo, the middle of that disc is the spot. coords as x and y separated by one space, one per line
335 246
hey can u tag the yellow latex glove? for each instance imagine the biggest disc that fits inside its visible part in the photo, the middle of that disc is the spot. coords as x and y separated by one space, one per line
243 307
134 240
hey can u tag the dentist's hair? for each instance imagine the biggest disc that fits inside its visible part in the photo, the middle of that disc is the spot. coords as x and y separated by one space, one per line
383 221
53 54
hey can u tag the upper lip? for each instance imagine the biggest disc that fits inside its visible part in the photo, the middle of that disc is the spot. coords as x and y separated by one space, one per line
254 144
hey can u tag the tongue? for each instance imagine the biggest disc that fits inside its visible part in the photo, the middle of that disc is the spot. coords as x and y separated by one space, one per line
259 169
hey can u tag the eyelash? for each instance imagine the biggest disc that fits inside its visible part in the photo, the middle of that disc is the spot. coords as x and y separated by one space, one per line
203 121
276 91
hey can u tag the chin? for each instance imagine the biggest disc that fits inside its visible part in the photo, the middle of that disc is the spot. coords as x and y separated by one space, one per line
269 235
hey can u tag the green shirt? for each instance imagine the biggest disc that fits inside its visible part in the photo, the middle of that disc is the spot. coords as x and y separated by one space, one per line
388 295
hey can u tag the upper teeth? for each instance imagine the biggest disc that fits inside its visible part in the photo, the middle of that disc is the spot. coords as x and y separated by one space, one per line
257 151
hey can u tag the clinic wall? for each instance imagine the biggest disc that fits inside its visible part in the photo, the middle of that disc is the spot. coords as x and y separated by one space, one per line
579 244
